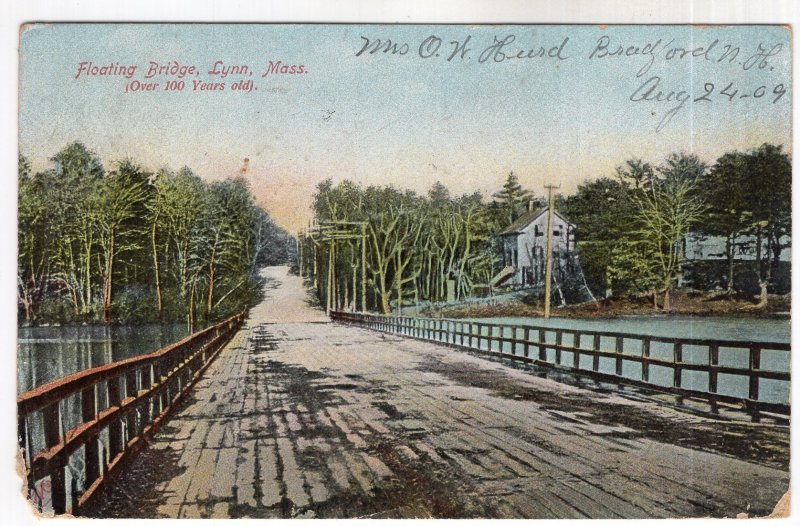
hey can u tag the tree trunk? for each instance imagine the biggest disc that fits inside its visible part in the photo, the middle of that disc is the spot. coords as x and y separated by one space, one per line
729 253
667 306
210 295
190 314
399 273
763 279
108 279
155 268
385 307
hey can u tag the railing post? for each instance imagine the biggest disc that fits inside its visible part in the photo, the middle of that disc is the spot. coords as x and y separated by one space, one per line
576 354
163 371
91 448
677 358
500 336
51 416
618 349
146 382
526 335
596 357
469 339
24 443
646 361
514 340
559 335
542 348
130 392
713 362
115 427
755 365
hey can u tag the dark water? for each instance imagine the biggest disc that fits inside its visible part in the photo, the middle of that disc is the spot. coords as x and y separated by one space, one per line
45 354
48 353
713 327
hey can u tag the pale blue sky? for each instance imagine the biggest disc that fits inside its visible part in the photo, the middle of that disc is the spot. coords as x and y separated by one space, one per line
396 119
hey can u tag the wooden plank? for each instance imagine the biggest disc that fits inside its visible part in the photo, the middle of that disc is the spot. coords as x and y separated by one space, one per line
91 447
755 364
713 362
52 436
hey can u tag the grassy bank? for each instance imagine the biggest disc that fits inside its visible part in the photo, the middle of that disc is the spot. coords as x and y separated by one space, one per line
683 303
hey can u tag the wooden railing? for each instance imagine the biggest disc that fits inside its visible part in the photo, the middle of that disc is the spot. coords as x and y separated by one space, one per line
564 349
121 405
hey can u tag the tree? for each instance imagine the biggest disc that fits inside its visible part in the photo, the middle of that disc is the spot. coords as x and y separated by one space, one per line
725 190
136 245
637 174
123 197
512 197
600 211
769 193
73 200
30 212
665 206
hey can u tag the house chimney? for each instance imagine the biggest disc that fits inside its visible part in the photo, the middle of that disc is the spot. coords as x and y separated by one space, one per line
530 204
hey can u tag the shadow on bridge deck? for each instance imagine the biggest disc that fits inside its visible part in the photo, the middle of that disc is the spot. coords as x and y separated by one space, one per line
298 418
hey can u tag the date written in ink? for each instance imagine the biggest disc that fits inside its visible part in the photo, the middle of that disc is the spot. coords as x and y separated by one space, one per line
652 90
731 92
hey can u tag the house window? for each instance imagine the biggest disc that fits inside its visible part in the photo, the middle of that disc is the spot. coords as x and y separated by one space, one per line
556 232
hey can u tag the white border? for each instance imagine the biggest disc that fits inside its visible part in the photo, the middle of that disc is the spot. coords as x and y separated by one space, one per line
389 11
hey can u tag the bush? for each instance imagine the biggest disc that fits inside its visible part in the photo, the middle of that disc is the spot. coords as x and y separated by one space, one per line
57 309
134 305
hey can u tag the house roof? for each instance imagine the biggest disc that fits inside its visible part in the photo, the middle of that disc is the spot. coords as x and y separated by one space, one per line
522 222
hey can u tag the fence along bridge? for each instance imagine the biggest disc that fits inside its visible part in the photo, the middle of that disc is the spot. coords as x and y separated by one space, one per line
564 348
279 413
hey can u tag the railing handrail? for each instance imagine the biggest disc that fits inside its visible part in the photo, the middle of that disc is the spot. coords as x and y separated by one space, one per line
461 333
138 394
40 397
767 345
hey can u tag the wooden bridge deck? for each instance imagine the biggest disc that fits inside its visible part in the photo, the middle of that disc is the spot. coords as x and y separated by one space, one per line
298 417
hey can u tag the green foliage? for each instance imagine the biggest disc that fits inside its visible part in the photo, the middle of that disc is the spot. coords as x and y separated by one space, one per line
631 231
599 210
414 244
130 246
512 198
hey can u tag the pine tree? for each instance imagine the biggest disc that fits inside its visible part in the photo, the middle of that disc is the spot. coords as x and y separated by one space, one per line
512 196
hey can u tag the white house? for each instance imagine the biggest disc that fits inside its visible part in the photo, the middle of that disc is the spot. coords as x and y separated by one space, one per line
524 244
698 247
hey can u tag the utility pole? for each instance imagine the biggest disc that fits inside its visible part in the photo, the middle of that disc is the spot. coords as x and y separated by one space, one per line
363 268
330 279
548 252
329 232
300 241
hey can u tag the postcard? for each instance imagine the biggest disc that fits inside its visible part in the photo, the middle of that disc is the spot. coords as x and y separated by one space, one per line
404 270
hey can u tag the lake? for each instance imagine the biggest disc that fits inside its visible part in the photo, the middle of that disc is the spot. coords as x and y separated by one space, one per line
716 327
45 354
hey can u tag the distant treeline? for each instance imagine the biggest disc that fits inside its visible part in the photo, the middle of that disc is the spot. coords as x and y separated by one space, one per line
131 246
630 229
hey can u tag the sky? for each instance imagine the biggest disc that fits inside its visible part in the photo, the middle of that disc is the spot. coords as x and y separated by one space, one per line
399 118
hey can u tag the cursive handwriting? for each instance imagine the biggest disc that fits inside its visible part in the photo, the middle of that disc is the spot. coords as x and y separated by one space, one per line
652 90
